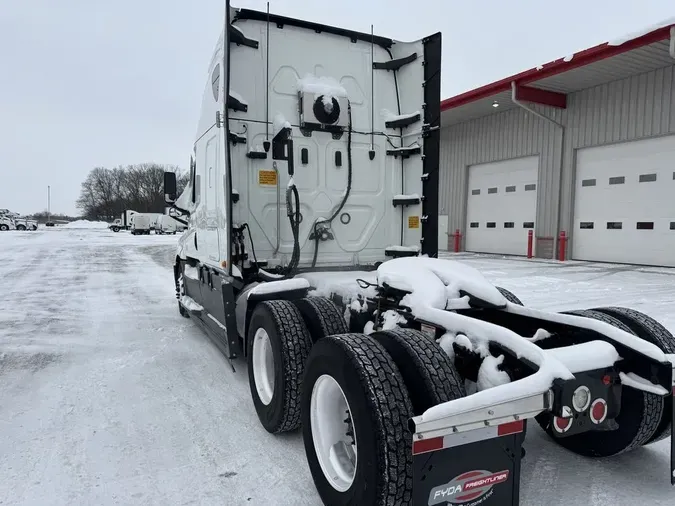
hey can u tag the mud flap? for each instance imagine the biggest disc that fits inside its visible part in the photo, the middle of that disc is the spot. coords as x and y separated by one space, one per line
475 468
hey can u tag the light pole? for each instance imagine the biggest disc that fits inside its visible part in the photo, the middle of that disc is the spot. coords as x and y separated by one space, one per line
49 203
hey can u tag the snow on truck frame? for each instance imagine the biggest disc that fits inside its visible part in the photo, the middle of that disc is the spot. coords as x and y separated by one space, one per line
310 250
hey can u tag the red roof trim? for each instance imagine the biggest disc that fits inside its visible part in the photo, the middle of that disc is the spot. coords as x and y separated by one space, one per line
555 67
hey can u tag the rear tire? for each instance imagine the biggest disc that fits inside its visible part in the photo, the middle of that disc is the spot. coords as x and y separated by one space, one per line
278 346
181 290
638 420
21 227
428 373
183 312
649 330
378 406
510 296
322 317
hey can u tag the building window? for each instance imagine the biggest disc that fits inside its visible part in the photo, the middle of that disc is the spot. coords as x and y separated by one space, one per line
614 225
617 180
508 224
586 224
645 225
530 187
215 81
588 182
647 178
510 189
474 224
528 224
475 192
492 190
491 224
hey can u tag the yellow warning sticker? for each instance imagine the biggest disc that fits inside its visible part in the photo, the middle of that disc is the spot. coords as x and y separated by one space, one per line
267 177
413 222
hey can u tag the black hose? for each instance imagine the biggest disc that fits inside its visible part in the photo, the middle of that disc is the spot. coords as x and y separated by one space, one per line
250 238
293 212
294 218
344 199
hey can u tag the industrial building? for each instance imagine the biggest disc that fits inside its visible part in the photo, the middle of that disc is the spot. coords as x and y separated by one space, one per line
583 145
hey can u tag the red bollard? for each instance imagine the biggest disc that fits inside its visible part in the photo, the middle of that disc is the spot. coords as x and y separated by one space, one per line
530 236
458 237
562 243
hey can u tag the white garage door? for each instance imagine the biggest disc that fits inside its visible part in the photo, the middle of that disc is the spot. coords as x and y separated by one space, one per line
501 205
624 209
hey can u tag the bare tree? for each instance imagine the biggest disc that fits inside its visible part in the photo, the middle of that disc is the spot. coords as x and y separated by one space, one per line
106 193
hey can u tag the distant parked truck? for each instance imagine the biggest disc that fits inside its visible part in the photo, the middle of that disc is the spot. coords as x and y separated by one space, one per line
155 223
25 224
6 223
116 225
128 219
123 223
166 225
14 221
142 223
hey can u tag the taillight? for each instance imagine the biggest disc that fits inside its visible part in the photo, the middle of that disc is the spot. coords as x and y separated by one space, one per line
581 399
598 411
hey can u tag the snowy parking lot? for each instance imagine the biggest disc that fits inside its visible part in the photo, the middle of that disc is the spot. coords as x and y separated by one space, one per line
108 396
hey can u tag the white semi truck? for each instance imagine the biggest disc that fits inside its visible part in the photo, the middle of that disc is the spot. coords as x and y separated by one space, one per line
143 223
123 223
14 221
167 225
6 223
310 252
25 223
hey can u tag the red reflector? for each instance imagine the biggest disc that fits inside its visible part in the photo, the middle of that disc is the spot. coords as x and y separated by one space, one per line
606 379
427 445
510 428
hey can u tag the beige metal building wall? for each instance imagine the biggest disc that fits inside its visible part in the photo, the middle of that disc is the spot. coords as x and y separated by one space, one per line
637 107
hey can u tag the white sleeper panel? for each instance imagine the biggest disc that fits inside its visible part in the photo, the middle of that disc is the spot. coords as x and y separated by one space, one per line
624 208
501 205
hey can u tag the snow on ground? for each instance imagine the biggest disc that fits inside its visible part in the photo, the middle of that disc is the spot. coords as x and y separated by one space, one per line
86 224
108 396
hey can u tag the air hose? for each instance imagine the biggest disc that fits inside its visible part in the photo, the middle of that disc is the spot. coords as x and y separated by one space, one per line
293 213
317 235
294 218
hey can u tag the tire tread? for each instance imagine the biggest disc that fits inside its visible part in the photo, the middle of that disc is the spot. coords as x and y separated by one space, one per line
440 377
509 295
652 404
322 316
391 407
650 330
296 345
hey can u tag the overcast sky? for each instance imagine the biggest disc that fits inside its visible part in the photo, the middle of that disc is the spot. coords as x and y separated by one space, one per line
87 83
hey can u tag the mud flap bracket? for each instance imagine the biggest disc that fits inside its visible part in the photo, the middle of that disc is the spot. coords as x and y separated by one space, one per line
236 105
395 64
237 37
